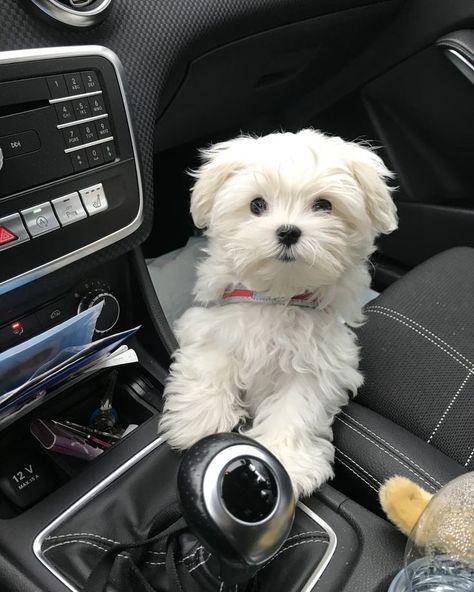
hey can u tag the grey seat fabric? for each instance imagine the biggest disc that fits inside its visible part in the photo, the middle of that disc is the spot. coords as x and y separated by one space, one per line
414 415
418 353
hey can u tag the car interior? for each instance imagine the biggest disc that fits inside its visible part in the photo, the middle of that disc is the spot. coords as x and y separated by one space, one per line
104 106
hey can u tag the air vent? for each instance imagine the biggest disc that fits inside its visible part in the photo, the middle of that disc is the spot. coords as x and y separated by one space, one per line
75 13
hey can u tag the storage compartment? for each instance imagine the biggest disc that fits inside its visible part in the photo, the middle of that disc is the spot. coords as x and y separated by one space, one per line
29 472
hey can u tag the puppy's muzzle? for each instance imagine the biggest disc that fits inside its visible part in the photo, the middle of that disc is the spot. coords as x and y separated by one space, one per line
288 234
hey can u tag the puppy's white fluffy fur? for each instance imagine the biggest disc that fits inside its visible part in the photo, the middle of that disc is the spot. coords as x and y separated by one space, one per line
285 370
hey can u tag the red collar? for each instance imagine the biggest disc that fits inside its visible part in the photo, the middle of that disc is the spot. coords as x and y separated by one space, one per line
243 295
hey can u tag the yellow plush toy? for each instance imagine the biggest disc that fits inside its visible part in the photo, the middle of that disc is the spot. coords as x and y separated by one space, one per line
403 501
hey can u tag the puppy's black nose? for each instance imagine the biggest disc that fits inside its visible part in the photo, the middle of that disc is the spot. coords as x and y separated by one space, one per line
288 234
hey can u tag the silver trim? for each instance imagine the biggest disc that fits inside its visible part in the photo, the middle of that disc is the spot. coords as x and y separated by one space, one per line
78 121
94 143
40 538
461 63
9 57
69 16
72 97
331 548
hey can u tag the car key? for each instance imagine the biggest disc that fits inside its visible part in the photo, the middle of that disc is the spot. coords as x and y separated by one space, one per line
105 418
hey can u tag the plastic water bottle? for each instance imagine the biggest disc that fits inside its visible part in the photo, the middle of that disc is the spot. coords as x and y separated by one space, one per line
434 574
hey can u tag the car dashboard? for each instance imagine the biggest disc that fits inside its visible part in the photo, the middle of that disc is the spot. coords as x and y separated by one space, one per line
91 94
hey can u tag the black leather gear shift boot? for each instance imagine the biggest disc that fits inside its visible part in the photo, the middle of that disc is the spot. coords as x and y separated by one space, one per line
126 511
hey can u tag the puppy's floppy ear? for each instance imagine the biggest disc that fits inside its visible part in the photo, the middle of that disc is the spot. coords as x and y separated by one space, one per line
372 175
220 162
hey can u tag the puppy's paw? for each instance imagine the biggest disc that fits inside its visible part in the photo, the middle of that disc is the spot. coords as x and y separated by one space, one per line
177 431
184 426
308 467
306 483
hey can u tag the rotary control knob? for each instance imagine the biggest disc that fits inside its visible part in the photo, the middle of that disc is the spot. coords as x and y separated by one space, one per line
110 310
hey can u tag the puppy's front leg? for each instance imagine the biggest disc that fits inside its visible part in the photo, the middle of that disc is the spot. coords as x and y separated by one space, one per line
295 425
201 396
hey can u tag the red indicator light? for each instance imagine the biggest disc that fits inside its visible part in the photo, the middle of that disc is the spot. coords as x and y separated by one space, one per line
17 328
6 236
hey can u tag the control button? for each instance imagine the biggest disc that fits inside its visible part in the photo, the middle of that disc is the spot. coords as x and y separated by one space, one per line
103 128
6 236
56 313
69 208
94 156
79 160
81 108
94 199
12 226
72 136
65 112
91 84
88 133
108 150
97 105
57 86
18 330
21 143
74 83
40 219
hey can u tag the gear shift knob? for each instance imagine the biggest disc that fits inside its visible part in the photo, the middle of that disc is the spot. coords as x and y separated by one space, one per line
238 500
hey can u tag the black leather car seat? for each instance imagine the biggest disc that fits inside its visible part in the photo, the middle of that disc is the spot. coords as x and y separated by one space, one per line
414 415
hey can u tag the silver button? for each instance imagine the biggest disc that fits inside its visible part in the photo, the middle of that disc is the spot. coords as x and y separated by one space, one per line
94 199
69 208
40 219
13 224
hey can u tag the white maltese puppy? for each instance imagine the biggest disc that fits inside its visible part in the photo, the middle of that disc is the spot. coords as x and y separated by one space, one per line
291 221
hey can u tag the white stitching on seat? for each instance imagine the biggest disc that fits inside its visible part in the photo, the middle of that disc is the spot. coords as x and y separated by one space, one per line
448 408
103 548
193 554
419 333
358 466
199 564
375 307
82 534
469 458
357 475
154 563
313 540
296 536
90 543
391 446
387 452
301 534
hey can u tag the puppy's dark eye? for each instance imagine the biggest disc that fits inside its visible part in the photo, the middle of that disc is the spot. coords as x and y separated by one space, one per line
258 206
321 205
